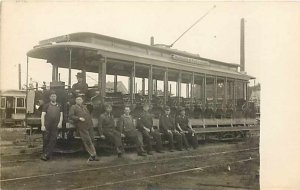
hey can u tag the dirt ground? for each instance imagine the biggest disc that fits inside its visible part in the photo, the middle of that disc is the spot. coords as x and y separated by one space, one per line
170 170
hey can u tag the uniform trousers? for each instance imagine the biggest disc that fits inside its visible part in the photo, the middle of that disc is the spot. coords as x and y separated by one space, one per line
189 138
148 136
87 137
174 136
134 136
114 137
49 139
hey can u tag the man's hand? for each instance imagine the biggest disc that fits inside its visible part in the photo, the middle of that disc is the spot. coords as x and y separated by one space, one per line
122 135
59 125
43 128
148 130
81 119
102 136
169 131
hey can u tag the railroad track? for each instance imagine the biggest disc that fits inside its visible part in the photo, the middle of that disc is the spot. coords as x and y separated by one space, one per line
165 164
168 174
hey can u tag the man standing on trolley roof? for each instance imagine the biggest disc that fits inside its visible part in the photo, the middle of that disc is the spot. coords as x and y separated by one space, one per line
80 88
184 126
107 129
83 121
51 120
127 127
167 127
145 126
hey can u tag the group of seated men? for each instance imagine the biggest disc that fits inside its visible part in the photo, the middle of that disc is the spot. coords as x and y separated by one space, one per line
178 129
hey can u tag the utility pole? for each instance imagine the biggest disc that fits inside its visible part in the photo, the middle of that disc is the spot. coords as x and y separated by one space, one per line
20 82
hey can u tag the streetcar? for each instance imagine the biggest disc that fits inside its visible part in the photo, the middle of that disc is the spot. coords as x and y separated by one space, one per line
214 93
12 107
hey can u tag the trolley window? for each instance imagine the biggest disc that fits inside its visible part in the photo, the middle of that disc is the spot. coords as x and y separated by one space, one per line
20 103
3 102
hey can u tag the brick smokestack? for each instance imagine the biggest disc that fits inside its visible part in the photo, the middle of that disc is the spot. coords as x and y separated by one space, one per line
242 47
152 41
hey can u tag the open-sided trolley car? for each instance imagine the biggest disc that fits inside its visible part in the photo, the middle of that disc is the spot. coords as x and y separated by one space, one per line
214 93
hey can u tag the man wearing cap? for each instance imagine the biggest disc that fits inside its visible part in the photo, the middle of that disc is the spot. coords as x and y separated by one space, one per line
51 120
127 128
83 122
167 127
80 88
145 126
184 127
107 129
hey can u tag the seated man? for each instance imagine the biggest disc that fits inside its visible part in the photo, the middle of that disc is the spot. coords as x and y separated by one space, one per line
184 127
127 128
167 127
145 126
107 129
83 121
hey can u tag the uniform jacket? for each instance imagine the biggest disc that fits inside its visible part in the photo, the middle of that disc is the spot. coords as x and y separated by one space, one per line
166 123
126 123
183 122
82 87
145 120
77 111
106 123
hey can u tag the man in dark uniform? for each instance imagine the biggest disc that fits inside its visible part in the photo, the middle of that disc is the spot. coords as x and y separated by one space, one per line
107 129
145 126
83 121
80 88
167 127
127 128
184 127
51 120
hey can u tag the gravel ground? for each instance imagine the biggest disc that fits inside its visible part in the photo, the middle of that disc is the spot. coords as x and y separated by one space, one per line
129 173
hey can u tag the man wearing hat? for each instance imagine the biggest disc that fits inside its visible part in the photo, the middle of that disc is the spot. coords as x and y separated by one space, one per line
51 120
83 121
107 129
145 126
126 126
167 127
80 88
184 127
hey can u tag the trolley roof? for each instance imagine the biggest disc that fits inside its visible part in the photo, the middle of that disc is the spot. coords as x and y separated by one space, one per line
89 49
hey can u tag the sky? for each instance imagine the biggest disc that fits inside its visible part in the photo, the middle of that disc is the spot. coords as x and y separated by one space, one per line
272 48
217 36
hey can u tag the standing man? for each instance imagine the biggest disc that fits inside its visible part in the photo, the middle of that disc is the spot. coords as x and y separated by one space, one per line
127 128
107 129
83 122
80 88
51 120
184 127
145 125
167 127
